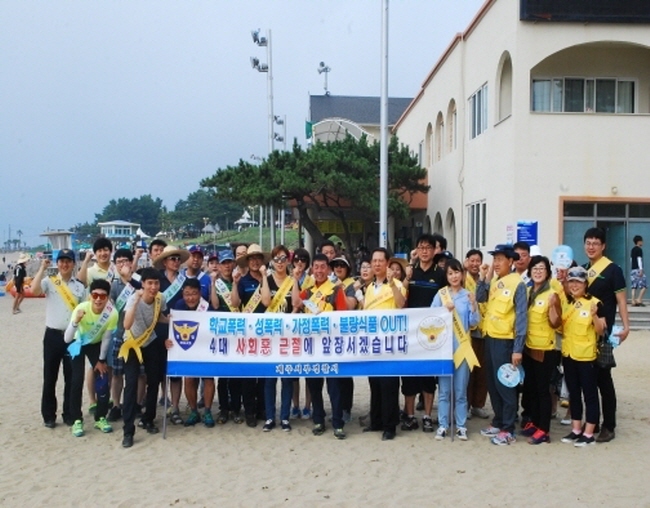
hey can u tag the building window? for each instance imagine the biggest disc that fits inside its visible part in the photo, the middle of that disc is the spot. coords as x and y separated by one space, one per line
421 153
452 124
479 111
583 95
440 127
476 224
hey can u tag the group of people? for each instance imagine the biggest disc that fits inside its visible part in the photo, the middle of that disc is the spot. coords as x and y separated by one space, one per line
511 312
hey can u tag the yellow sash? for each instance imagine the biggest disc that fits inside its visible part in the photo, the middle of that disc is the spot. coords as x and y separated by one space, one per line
595 270
222 291
464 350
307 282
470 283
64 292
136 343
254 301
373 300
280 295
319 296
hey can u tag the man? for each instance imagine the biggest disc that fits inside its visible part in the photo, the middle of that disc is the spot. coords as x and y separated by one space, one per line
246 294
328 249
20 272
229 389
156 248
193 270
143 346
521 264
324 295
477 387
193 301
171 283
103 269
607 283
384 292
637 275
505 325
422 281
89 336
62 294
122 288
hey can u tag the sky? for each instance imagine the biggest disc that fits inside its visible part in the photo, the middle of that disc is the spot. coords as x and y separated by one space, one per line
107 99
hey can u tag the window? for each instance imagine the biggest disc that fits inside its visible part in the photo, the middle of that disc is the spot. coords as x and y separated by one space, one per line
479 111
440 126
583 95
421 153
451 126
476 227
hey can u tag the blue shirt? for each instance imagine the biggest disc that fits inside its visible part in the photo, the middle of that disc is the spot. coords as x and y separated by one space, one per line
463 307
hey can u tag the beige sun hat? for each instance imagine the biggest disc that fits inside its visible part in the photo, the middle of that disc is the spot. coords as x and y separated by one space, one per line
23 258
169 251
401 261
253 249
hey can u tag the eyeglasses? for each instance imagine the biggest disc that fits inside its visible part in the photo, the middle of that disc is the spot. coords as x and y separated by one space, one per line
174 258
300 260
425 247
280 259
122 261
98 296
593 244
365 267
538 269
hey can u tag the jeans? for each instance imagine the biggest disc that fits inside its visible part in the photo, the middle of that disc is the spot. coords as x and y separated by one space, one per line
461 379
315 385
90 351
55 353
503 399
286 392
346 386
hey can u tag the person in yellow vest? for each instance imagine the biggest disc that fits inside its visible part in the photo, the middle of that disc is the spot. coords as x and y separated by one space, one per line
583 322
504 325
462 304
539 356
385 292
322 296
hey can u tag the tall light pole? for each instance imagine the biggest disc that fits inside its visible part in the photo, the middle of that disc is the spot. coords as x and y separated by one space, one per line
282 121
268 69
383 129
323 68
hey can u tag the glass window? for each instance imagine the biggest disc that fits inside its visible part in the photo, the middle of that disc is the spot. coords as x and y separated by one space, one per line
625 97
574 95
605 95
610 210
578 95
478 110
639 210
572 209
557 95
590 96
542 95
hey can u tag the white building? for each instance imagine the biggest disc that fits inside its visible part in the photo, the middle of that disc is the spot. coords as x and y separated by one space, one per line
119 229
545 121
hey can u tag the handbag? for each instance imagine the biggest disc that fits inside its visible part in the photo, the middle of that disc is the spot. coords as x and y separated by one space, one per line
605 357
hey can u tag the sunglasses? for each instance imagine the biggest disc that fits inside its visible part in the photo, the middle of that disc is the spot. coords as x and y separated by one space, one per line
339 265
174 258
98 296
280 259
300 260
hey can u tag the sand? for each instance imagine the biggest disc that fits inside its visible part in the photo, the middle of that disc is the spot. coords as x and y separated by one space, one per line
233 465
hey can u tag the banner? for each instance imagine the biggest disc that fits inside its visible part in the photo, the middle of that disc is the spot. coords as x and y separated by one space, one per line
408 342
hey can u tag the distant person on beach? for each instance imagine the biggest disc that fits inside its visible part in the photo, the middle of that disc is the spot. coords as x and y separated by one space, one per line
62 294
637 275
20 272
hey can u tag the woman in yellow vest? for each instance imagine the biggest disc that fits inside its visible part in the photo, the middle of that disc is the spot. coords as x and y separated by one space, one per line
539 360
582 325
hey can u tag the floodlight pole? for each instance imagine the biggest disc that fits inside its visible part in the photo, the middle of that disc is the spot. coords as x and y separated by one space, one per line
383 129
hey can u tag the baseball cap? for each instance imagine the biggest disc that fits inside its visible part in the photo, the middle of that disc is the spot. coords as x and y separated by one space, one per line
195 248
445 254
506 250
66 254
226 255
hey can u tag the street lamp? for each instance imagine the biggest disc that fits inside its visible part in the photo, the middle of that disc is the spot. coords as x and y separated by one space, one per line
265 42
323 68
281 121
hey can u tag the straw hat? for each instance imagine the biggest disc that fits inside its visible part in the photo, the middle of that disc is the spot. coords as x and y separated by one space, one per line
253 249
170 250
402 262
23 258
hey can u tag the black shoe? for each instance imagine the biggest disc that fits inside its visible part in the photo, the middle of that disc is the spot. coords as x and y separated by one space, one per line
410 423
151 428
50 424
370 429
388 435
605 435
251 421
127 441
114 414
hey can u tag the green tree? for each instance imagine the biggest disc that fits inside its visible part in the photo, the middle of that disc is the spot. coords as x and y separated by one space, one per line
85 230
145 210
201 206
341 176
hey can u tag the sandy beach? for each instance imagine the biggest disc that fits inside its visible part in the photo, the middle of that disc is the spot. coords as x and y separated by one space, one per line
232 465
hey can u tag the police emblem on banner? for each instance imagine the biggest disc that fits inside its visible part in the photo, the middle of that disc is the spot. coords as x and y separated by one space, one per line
432 333
185 333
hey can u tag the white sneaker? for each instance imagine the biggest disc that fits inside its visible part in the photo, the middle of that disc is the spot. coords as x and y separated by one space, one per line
441 433
461 433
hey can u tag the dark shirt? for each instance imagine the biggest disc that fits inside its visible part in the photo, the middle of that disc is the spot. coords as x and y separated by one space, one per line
285 307
223 306
19 275
423 286
246 288
164 284
604 287
637 252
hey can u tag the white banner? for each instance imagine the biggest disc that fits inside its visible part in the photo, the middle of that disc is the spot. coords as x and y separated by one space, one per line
409 342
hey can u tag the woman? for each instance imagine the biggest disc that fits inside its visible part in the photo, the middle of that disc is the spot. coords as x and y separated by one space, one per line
539 360
365 278
463 305
276 295
398 267
582 325
300 262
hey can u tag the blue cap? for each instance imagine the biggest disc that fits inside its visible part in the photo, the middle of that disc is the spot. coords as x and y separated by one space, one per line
506 249
226 255
66 254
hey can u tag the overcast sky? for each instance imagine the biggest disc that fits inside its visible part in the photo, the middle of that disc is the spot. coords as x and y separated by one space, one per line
107 99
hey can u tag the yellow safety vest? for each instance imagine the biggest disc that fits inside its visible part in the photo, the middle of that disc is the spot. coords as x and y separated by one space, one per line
541 335
580 336
499 322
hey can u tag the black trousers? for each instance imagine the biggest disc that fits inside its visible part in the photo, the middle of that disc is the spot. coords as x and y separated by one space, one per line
229 390
90 351
607 396
154 360
384 403
536 395
346 386
581 380
252 390
315 385
55 353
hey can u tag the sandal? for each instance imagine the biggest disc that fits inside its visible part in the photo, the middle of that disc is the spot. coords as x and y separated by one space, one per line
176 418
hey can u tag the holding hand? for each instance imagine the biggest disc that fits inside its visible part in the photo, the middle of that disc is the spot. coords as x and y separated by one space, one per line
101 368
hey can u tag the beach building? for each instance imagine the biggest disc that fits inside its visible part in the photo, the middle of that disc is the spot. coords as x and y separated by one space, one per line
533 124
119 229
